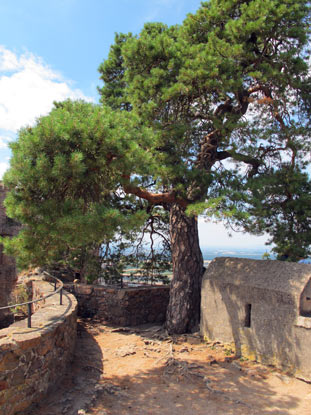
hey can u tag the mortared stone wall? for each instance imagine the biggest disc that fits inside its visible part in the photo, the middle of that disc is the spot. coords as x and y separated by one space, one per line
33 359
128 306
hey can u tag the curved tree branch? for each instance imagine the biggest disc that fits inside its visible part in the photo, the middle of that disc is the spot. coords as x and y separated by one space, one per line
154 198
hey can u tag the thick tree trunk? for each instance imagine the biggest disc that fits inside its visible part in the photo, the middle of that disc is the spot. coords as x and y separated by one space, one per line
183 313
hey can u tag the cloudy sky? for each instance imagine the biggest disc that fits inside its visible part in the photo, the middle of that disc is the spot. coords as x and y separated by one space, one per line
50 50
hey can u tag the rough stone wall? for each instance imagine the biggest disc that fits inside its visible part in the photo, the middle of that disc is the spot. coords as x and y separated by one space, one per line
7 264
34 359
259 323
123 307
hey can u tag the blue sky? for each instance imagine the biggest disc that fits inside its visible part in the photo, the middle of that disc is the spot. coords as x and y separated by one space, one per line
50 50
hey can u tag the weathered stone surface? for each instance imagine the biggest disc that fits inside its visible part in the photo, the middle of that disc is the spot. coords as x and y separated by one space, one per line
3 385
9 361
7 264
33 359
123 307
255 306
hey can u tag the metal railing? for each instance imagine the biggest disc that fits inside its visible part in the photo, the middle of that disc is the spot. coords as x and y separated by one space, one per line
29 303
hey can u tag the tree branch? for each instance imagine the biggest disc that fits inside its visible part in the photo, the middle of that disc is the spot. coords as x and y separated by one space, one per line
154 198
208 154
255 163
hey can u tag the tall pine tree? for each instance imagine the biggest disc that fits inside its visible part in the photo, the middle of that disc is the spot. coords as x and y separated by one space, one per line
226 94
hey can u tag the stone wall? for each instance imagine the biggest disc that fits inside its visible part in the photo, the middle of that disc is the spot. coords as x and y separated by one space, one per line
122 306
34 359
7 264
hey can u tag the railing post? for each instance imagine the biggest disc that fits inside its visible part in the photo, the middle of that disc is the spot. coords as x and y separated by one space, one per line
29 315
29 307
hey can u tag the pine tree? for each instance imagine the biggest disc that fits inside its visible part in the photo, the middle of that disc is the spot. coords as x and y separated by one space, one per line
63 177
225 93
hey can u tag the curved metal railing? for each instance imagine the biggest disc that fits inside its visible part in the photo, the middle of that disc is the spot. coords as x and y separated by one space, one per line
29 303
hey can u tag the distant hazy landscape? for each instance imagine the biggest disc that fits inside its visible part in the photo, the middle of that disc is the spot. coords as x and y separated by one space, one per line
251 253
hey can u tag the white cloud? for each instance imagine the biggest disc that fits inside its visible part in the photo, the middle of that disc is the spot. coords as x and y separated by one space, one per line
8 60
28 87
3 167
4 141
215 234
155 10
167 2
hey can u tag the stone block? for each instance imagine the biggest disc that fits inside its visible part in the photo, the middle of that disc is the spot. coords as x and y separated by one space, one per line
28 340
45 345
18 377
83 289
256 307
10 361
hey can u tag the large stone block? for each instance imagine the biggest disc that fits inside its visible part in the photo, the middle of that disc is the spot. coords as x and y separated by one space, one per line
261 309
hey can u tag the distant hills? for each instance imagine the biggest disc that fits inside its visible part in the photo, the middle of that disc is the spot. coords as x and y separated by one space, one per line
210 253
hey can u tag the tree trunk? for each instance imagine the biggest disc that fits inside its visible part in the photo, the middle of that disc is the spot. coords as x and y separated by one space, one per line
183 313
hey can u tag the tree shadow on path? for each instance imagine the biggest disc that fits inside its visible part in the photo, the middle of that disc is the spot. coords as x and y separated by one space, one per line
76 391
164 377
187 382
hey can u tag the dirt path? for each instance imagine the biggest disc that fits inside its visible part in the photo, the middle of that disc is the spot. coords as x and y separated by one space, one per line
143 371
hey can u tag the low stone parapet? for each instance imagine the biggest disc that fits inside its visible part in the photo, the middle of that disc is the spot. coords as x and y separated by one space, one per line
128 306
33 359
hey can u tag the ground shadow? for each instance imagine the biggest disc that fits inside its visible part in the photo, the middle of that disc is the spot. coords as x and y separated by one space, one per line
174 388
188 386
168 384
82 375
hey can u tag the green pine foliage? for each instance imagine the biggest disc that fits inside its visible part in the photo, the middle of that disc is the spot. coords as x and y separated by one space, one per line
282 208
212 115
228 94
63 177
112 74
